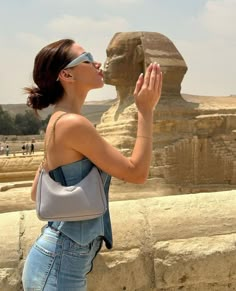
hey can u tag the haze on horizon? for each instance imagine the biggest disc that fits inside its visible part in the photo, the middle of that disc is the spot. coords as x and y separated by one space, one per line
204 31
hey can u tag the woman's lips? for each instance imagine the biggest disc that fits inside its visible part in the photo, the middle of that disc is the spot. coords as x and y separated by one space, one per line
100 73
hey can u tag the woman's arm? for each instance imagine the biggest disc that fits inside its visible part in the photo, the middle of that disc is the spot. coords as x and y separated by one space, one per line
34 186
79 134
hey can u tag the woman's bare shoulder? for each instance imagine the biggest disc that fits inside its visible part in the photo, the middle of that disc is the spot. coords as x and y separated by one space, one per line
73 124
69 121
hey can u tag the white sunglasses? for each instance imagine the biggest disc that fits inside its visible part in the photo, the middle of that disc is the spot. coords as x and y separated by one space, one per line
84 57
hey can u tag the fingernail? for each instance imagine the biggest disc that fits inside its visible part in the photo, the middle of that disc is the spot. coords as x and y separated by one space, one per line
141 75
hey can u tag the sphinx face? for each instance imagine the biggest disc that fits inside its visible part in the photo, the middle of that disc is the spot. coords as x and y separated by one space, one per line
123 64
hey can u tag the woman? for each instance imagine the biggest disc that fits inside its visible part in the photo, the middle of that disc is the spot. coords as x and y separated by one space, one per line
64 73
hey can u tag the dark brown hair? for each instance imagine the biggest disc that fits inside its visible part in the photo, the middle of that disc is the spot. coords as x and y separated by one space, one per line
47 65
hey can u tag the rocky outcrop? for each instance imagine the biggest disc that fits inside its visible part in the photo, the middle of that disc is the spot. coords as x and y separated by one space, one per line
173 243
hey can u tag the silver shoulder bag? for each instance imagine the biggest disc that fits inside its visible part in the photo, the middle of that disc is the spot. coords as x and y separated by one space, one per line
82 201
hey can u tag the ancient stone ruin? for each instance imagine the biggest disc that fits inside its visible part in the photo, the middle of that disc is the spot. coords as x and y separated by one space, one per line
194 138
178 242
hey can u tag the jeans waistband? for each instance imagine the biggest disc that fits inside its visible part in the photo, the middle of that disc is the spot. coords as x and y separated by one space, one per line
55 229
58 232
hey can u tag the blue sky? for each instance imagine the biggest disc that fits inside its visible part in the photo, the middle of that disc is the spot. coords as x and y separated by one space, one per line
204 31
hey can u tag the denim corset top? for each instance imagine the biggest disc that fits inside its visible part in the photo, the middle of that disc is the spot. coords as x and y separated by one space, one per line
83 232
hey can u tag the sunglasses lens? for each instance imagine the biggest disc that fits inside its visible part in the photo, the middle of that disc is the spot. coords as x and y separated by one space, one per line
89 57
84 57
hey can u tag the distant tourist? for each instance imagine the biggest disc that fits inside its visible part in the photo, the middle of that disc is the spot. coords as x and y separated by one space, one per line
7 150
32 148
23 149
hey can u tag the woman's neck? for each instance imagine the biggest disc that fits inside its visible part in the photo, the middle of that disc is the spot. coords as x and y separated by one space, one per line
58 107
70 104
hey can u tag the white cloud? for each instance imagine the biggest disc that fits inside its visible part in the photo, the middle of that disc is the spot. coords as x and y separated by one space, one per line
87 26
219 18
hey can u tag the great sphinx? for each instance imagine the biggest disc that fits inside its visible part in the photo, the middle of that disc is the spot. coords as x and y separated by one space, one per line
194 138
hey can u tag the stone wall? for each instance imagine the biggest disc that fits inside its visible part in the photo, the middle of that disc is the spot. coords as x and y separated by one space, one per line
170 243
196 161
194 143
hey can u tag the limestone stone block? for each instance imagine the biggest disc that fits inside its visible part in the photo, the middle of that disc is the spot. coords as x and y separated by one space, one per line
191 215
128 224
19 168
10 254
10 239
173 243
16 199
30 225
196 263
122 270
10 279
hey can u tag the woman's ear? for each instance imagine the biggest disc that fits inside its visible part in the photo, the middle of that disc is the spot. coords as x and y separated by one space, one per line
65 75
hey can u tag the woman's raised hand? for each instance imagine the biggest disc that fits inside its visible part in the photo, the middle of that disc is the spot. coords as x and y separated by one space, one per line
147 91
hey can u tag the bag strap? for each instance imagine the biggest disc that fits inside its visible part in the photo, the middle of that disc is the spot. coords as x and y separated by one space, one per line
49 138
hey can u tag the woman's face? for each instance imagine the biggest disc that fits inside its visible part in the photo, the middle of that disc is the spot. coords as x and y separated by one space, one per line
87 75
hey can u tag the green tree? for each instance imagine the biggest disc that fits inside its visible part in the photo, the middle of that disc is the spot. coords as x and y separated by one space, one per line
6 123
27 123
45 122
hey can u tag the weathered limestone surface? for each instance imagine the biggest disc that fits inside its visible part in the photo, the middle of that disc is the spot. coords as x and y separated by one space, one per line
182 242
16 199
21 168
11 254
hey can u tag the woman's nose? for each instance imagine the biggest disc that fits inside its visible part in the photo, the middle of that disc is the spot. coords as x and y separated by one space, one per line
97 65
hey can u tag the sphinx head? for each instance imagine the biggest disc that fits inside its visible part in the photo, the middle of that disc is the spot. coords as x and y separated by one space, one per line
124 60
130 53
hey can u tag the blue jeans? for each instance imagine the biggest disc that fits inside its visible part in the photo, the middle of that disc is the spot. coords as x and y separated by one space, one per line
56 263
